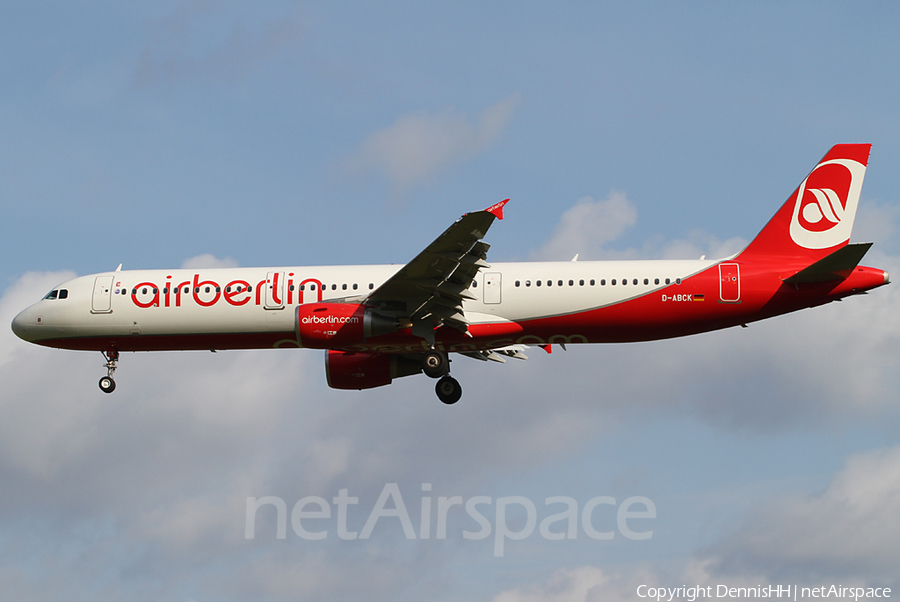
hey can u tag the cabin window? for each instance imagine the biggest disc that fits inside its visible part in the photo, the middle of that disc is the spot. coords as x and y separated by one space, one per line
312 287
656 281
592 282
343 287
581 283
528 283
613 282
668 281
559 283
678 281
571 283
549 283
538 282
518 282
603 282
474 284
371 286
355 286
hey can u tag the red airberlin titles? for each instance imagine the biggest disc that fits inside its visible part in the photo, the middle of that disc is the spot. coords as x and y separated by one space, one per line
378 323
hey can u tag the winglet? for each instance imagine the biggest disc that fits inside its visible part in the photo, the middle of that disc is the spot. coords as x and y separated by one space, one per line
497 210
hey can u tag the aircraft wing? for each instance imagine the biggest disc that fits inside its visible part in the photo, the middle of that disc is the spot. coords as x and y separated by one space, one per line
497 355
428 291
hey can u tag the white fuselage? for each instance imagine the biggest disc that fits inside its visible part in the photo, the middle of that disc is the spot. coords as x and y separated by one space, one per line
187 302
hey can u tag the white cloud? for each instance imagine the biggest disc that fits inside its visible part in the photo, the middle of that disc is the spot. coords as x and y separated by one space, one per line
580 584
208 260
28 289
587 227
850 530
169 458
201 40
848 534
876 222
590 225
698 243
420 145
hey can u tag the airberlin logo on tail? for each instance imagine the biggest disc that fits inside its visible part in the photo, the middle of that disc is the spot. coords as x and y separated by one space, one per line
826 204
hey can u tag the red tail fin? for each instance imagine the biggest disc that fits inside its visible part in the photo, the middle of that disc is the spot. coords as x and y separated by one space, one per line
817 219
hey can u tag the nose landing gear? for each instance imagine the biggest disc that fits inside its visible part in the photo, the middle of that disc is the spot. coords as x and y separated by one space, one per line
436 364
107 384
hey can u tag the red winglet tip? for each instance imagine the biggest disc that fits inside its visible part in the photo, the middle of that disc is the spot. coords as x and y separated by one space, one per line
497 210
548 348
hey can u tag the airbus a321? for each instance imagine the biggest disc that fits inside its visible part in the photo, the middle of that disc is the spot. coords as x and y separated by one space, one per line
381 322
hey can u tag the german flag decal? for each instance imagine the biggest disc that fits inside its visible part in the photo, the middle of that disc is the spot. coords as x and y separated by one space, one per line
699 298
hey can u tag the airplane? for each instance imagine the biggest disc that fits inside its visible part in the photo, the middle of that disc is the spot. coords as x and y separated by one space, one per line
381 322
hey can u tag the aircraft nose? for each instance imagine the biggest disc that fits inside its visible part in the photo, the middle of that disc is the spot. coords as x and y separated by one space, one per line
887 278
21 325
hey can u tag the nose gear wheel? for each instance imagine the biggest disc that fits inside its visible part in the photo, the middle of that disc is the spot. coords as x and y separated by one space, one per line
107 383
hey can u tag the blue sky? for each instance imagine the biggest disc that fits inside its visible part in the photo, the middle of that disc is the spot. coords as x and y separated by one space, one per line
288 133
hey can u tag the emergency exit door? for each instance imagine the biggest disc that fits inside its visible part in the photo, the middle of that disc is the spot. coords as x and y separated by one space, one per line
102 297
492 287
729 282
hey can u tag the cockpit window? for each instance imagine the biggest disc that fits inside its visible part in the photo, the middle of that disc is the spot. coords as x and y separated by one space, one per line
52 294
63 293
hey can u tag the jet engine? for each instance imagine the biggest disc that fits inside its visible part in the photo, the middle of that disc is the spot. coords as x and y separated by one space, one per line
345 370
330 325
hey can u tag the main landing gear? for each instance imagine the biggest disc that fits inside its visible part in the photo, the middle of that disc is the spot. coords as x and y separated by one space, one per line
448 390
436 364
107 384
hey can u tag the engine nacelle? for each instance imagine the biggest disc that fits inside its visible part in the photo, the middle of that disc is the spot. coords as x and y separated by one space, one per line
330 325
346 370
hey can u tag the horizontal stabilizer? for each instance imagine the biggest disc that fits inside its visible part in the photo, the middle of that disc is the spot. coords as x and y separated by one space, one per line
836 266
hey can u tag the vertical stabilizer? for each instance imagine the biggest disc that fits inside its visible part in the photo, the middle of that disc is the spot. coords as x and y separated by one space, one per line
817 219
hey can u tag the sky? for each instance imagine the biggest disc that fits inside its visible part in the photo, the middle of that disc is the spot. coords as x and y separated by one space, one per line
206 133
